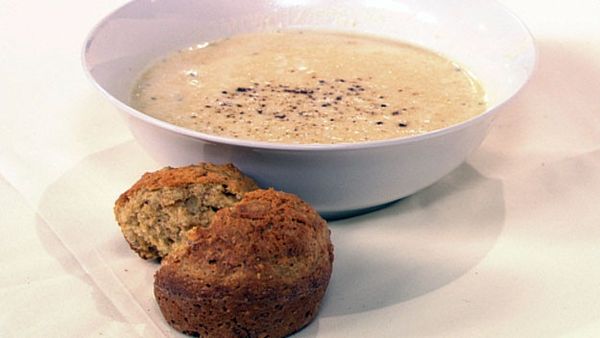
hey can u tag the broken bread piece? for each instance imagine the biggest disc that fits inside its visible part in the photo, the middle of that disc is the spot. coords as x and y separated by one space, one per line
157 212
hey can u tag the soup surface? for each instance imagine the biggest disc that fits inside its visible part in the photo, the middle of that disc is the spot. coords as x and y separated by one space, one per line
308 87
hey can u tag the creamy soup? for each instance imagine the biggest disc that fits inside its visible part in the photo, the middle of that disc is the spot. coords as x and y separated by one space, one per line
308 87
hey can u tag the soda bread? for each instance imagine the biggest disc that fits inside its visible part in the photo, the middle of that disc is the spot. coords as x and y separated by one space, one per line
259 270
156 213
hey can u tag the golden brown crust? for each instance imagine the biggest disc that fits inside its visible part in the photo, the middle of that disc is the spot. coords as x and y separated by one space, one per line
201 173
260 269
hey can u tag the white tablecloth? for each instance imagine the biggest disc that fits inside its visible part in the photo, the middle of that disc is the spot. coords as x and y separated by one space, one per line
508 245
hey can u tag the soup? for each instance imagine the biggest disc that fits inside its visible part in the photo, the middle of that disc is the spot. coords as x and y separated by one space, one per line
308 87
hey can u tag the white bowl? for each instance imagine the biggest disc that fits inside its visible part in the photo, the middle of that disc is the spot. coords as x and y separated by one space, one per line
341 179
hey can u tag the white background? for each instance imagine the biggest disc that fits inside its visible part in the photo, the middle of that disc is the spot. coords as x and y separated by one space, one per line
508 245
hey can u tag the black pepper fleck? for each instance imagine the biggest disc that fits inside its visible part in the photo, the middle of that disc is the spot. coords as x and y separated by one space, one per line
298 91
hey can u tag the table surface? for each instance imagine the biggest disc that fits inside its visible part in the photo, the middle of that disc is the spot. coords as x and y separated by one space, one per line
505 246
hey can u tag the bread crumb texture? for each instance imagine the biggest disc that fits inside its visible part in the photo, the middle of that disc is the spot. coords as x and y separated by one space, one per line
158 211
259 270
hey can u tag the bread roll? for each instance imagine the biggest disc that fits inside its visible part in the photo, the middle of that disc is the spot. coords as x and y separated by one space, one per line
259 270
157 212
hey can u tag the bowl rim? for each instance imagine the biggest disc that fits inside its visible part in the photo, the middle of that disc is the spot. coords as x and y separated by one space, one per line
301 147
